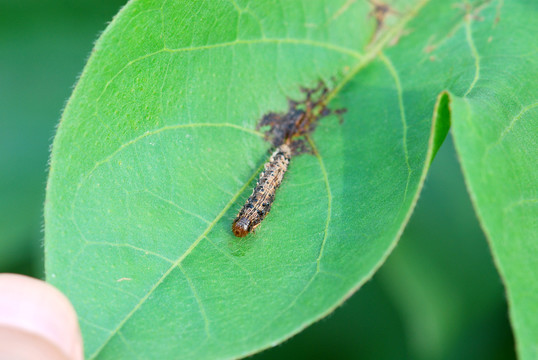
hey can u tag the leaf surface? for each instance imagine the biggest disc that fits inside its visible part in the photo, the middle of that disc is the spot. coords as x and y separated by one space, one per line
157 151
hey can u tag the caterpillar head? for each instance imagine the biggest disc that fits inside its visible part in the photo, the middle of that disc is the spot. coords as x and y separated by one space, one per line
240 227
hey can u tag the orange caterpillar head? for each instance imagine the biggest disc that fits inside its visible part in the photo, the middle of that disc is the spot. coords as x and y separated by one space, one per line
241 227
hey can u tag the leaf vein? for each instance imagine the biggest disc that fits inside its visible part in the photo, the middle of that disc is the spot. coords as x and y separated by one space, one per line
98 327
505 132
102 283
198 300
158 197
329 202
234 261
514 120
128 346
399 91
342 10
474 53
126 245
508 208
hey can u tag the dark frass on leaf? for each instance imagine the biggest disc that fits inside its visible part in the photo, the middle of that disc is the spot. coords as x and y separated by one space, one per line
285 132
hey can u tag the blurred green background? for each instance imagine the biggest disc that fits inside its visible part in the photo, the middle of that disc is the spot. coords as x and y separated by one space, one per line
437 297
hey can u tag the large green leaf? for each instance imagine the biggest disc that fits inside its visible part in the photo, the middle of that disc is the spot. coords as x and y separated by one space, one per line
157 151
496 132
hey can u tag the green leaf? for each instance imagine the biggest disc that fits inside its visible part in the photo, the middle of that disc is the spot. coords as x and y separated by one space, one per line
157 151
495 131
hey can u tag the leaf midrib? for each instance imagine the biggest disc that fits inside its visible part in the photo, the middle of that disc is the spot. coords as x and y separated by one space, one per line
363 61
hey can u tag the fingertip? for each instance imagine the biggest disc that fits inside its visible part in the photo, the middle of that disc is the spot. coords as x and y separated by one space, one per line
36 320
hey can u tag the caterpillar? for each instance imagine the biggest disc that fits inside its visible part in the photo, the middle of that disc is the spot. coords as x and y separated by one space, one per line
259 203
285 133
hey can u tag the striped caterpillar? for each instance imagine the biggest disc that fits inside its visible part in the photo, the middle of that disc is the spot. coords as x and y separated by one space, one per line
259 203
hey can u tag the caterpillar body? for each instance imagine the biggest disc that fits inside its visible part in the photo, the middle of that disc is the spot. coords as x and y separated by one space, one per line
259 203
